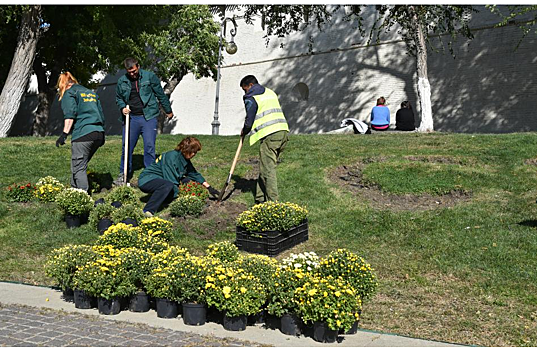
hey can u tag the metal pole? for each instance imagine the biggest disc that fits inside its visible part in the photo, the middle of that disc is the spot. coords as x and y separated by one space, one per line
216 123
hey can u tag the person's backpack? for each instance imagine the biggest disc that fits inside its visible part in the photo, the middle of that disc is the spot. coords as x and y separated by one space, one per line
358 126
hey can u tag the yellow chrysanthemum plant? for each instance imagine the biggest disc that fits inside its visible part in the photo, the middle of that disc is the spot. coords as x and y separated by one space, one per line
160 282
330 300
234 291
157 227
281 292
62 263
192 272
47 188
353 269
126 236
106 276
224 251
272 216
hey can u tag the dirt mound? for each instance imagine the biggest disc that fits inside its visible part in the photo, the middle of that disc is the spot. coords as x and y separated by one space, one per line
350 178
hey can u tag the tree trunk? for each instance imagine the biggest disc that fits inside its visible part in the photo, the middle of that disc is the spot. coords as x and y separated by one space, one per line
424 88
21 67
168 89
45 97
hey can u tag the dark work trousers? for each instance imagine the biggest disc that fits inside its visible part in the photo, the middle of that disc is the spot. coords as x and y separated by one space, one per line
81 153
162 191
148 129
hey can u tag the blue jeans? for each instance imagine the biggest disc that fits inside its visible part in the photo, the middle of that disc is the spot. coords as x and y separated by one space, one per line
148 129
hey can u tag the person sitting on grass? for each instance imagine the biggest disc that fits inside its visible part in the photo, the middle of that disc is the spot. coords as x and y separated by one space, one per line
380 115
170 169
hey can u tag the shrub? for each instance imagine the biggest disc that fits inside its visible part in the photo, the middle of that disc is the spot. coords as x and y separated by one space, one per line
331 300
261 266
47 188
128 211
184 205
137 262
224 251
74 201
281 291
157 227
22 192
159 283
353 269
102 211
271 216
192 272
62 263
193 189
123 194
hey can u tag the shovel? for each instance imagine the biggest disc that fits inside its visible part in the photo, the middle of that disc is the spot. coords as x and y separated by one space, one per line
231 171
126 158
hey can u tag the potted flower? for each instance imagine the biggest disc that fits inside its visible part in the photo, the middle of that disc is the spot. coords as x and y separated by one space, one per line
126 236
308 261
21 192
101 217
62 263
74 202
128 213
137 262
190 287
187 205
195 189
161 279
330 304
47 188
123 195
281 302
106 278
271 227
224 251
236 293
157 227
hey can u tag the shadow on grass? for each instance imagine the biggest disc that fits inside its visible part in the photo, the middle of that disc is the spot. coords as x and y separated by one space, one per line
529 223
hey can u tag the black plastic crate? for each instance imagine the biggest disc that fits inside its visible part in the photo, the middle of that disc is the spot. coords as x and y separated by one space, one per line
271 243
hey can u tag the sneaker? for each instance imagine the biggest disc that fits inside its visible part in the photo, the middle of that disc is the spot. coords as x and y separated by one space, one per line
148 214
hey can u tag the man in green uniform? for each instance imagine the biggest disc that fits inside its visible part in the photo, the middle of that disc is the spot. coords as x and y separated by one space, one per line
265 123
83 113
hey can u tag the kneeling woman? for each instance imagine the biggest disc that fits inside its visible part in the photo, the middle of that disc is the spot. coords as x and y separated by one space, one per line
163 177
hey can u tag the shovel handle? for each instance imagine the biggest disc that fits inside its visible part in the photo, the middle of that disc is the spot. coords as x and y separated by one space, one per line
237 153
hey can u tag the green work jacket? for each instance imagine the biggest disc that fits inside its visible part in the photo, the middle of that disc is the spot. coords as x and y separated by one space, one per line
171 166
151 93
84 107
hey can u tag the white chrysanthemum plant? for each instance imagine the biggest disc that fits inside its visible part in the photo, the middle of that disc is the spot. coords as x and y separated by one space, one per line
307 261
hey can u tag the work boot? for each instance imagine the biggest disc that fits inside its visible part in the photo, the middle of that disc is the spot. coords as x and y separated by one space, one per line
119 181
148 214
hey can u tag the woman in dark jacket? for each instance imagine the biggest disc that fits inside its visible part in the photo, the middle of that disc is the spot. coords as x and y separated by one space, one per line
404 118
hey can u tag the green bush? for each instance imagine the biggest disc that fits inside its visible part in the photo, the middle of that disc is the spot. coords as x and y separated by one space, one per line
63 262
22 192
187 205
99 212
128 211
123 194
74 201
224 251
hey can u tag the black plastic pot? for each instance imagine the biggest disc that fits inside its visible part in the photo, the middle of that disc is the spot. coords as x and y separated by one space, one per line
68 295
258 318
194 314
167 308
214 315
139 302
104 224
116 204
323 334
291 324
72 221
352 330
236 323
130 221
98 201
83 300
108 306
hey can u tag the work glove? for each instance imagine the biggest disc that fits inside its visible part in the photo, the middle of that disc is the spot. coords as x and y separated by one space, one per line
61 139
213 191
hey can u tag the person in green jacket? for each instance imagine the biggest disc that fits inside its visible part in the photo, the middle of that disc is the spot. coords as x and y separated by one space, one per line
170 169
83 114
141 91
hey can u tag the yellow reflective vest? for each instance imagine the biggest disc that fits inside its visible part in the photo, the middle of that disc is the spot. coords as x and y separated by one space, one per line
269 118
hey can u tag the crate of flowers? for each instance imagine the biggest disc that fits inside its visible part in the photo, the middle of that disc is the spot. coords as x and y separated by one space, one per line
270 228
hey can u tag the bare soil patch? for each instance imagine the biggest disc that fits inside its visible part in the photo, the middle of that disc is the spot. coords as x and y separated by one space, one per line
350 178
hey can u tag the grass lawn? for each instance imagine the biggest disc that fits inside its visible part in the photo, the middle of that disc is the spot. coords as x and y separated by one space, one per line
460 269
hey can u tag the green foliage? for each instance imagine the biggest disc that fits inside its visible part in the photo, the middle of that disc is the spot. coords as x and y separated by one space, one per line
157 227
62 263
163 275
123 194
281 291
353 269
125 236
261 266
21 192
187 205
271 216
47 188
101 211
74 201
137 262
224 251
521 13
191 272
128 211
193 189
330 300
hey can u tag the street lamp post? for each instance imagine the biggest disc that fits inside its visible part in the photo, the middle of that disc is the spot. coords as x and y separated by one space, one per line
231 48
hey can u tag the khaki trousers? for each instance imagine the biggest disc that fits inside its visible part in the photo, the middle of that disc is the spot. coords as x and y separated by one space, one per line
270 149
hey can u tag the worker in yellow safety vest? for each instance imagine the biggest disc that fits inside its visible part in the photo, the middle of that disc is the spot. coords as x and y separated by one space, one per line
265 123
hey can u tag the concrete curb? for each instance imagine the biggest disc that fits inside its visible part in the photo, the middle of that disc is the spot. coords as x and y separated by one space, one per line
46 297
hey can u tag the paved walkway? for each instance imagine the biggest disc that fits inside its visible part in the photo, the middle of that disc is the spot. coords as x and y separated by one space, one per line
37 316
